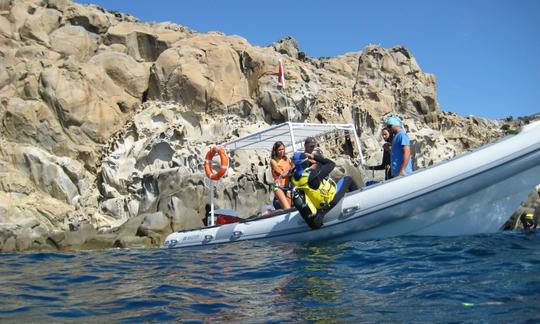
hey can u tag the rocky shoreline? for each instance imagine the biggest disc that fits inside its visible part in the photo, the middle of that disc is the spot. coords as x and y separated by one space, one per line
106 120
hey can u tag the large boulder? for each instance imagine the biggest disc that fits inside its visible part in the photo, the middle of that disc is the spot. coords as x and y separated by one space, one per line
86 100
92 18
145 42
202 72
73 40
124 71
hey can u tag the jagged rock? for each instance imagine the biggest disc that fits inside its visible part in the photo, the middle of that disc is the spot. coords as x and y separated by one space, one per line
344 67
8 241
155 226
391 81
430 147
18 14
91 18
5 27
134 242
530 205
40 23
116 208
32 122
46 174
287 46
4 5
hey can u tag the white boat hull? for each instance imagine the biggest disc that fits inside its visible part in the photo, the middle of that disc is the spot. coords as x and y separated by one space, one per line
472 194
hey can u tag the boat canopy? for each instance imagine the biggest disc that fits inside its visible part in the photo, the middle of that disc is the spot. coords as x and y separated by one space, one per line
291 134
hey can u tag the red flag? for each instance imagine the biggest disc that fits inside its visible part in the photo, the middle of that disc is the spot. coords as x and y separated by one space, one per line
281 75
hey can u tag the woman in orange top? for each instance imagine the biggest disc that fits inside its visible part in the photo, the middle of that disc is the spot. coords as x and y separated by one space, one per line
281 165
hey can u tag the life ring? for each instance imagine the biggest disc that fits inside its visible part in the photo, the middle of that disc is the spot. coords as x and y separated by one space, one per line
224 159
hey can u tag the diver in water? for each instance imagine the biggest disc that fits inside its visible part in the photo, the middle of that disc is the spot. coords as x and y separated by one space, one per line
315 192
528 222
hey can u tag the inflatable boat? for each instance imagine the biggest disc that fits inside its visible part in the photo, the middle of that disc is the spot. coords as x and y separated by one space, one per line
471 194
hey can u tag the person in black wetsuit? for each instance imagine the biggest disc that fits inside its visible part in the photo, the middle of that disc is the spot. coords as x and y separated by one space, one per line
528 222
386 163
311 177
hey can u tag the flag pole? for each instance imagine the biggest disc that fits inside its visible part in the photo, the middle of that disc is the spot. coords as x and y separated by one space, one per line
281 74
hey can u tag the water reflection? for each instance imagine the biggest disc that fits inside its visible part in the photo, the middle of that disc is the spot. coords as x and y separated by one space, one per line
237 282
315 292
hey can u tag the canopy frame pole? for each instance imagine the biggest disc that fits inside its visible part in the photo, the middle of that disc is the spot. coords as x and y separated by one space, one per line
358 146
291 132
211 203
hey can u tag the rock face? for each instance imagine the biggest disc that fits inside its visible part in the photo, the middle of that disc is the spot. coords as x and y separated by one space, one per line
105 120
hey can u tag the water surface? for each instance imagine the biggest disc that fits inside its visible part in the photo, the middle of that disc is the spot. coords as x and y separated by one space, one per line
487 278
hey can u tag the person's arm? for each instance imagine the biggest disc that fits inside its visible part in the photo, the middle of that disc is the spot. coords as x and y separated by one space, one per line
324 167
406 157
387 159
377 167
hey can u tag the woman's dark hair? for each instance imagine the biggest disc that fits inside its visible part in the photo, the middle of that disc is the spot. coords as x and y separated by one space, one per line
391 134
275 148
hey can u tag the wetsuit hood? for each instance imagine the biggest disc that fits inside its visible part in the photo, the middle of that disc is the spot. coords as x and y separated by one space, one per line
301 163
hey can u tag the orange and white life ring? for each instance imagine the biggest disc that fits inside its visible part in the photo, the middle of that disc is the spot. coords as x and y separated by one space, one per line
224 159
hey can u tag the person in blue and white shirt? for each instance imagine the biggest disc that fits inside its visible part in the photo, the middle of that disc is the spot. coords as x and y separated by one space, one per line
401 148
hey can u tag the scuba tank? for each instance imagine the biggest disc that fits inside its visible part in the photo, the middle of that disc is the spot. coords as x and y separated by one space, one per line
314 220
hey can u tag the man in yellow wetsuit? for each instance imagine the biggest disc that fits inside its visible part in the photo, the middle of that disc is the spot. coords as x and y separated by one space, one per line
318 192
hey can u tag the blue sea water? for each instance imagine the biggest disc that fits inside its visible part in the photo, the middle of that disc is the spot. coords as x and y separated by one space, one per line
477 279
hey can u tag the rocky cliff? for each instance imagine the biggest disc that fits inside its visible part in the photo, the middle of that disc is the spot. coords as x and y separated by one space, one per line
105 120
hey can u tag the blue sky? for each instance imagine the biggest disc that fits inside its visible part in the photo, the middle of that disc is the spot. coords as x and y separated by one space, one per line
485 54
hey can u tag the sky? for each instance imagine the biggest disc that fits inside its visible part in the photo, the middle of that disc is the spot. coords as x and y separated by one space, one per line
485 54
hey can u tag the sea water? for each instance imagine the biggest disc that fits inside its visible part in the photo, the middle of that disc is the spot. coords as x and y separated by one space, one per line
487 279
